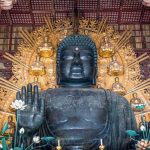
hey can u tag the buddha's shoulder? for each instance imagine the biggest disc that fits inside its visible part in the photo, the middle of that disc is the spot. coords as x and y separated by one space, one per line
118 99
100 92
113 97
74 90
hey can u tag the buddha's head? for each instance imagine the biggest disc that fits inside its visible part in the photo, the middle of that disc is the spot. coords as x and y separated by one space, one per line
76 62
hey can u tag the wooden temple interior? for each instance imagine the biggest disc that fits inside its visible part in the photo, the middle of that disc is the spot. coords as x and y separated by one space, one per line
129 19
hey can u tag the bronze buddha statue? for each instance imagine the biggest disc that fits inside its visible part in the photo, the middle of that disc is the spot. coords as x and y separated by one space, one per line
77 113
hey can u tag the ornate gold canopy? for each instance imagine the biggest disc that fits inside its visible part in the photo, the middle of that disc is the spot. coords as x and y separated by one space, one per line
109 44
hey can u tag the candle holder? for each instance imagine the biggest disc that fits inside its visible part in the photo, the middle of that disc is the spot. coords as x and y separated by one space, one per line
58 148
101 147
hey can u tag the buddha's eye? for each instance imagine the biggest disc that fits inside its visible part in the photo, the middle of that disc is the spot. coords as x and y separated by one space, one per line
67 57
86 57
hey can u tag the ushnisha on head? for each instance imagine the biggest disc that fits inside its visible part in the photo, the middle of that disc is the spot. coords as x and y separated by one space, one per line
76 62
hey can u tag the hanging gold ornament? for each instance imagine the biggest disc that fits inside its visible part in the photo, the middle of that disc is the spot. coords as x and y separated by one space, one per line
37 68
106 48
136 103
114 68
46 50
118 87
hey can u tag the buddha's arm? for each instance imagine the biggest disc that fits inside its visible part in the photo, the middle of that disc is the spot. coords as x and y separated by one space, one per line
122 119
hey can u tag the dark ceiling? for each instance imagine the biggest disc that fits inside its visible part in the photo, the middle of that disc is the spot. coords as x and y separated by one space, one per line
31 12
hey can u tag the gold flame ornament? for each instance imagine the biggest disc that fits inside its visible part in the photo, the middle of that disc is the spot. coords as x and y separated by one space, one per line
106 48
46 50
136 103
118 87
114 68
37 68
58 146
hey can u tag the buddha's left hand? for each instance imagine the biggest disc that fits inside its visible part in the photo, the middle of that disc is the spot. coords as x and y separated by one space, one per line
142 145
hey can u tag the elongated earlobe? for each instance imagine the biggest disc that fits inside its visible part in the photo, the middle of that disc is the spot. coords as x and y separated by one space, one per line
94 81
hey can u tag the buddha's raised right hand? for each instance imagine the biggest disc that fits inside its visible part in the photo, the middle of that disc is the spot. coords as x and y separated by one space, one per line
32 116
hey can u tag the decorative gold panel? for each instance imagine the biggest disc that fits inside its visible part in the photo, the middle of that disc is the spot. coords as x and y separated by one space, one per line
56 32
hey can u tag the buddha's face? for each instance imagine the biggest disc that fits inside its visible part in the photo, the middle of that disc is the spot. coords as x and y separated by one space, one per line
77 67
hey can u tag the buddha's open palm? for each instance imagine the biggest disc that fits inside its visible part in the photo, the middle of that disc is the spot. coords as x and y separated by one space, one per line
32 116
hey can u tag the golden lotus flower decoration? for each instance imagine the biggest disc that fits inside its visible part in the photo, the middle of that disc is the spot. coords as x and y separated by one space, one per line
106 49
46 50
37 68
114 68
136 103
118 87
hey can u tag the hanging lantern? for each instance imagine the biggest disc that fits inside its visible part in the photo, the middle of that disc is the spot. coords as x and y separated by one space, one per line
46 50
37 68
7 4
114 68
106 48
136 103
118 87
146 3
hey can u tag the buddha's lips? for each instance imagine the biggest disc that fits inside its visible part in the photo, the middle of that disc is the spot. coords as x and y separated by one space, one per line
76 73
76 70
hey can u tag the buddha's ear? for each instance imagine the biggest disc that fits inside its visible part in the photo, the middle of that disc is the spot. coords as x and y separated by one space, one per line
58 80
58 74
94 77
94 81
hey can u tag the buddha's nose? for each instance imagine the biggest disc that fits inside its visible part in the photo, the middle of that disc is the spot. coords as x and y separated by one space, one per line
76 60
76 65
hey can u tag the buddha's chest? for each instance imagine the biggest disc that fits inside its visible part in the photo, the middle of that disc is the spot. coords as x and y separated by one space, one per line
76 108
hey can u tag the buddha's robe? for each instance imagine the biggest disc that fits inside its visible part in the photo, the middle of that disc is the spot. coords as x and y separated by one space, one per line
83 116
